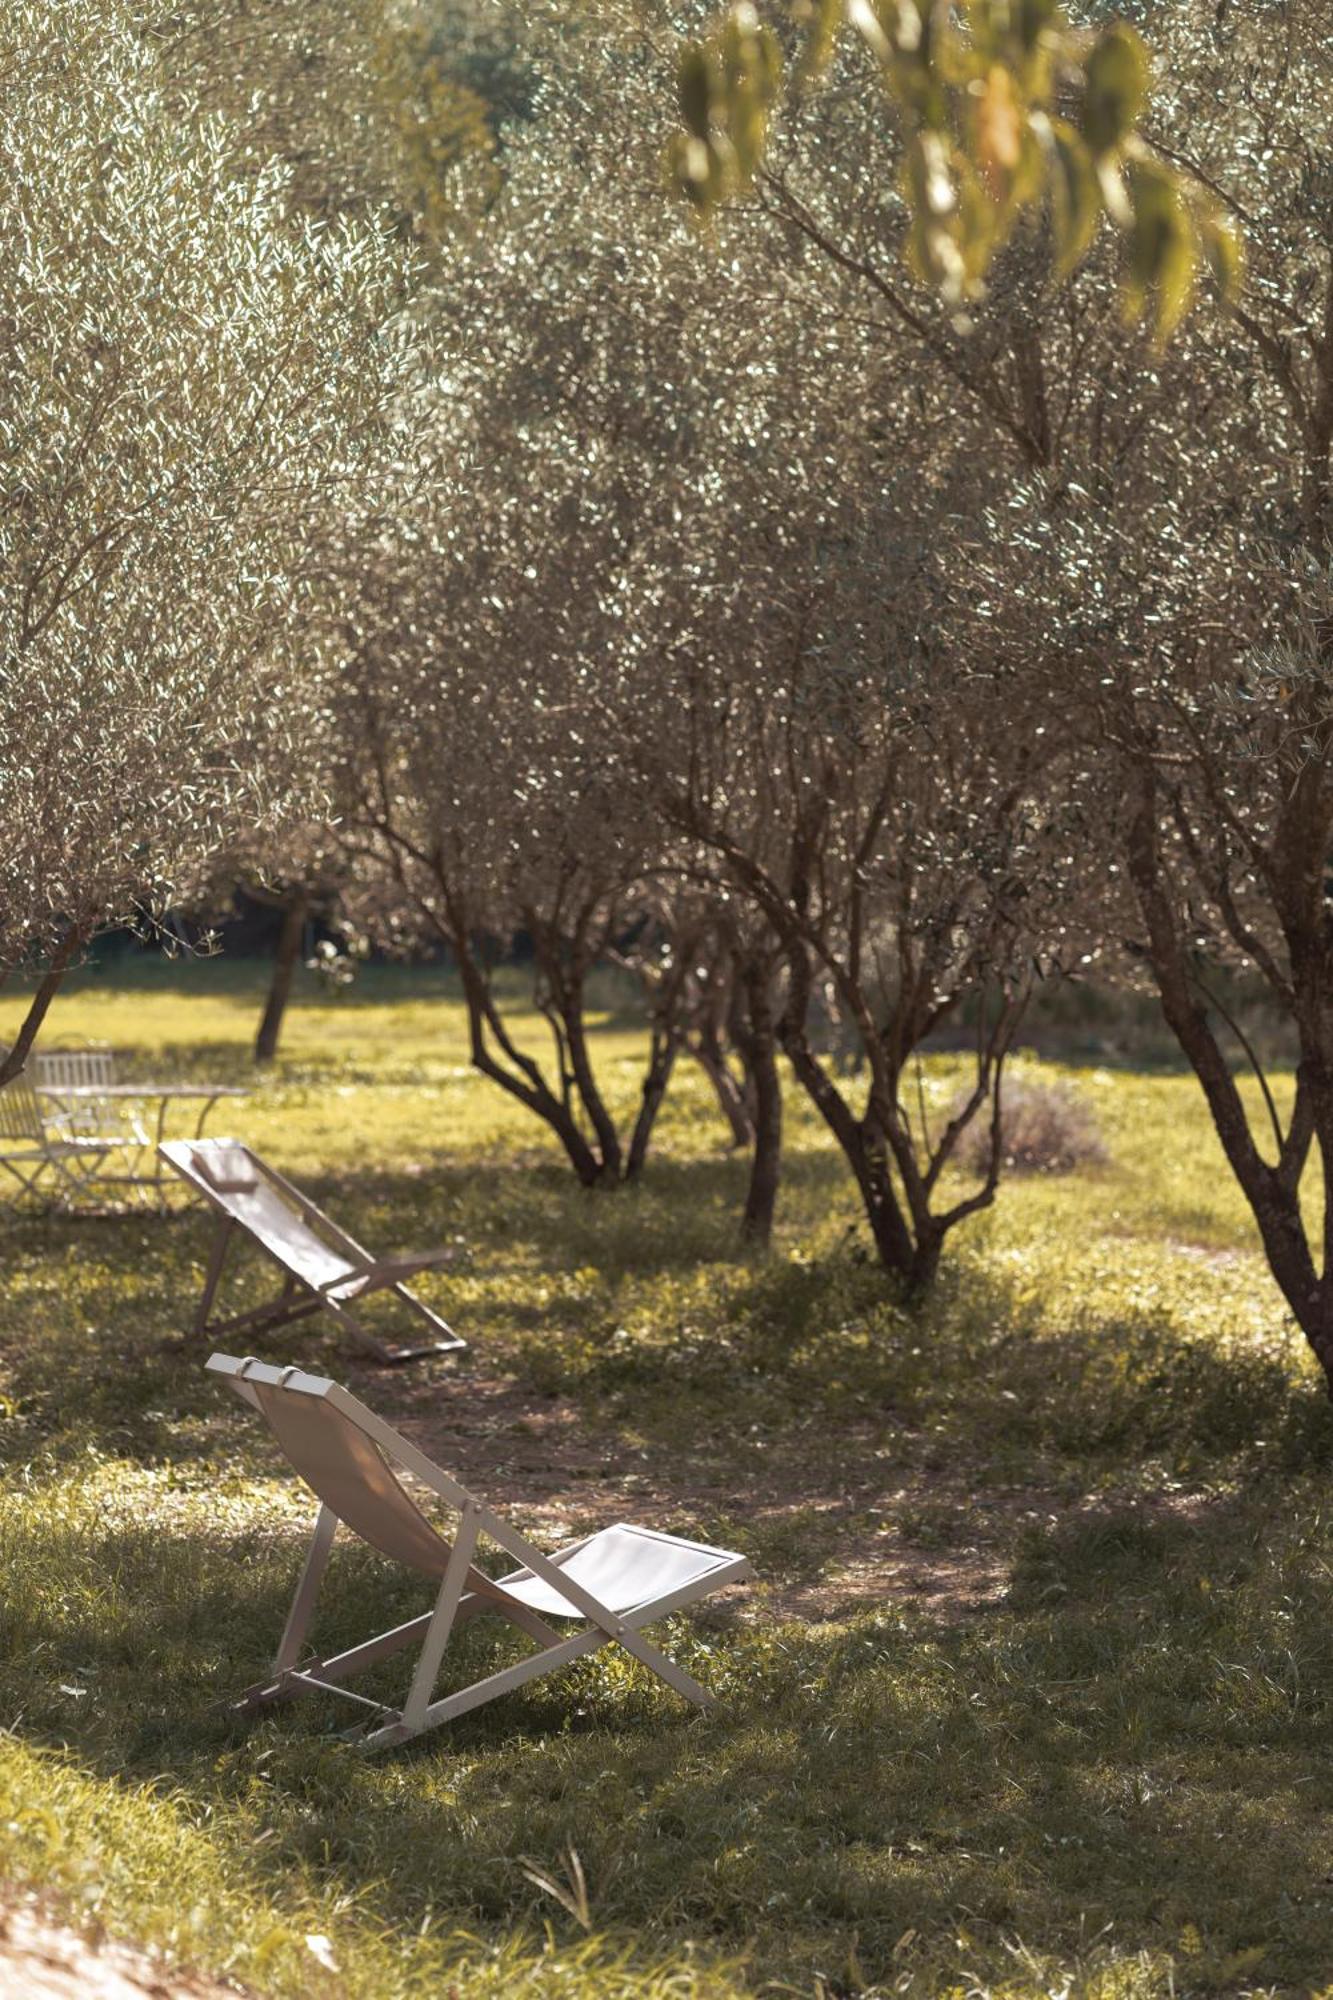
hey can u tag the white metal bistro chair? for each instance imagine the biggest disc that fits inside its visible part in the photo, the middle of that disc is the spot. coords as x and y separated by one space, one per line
48 1165
57 1071
614 1582
79 1114
324 1268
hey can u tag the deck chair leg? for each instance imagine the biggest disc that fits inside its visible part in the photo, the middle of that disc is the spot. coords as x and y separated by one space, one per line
278 1683
215 1263
362 1335
624 1631
421 1713
441 1624
341 1666
29 1185
504 1682
375 1347
423 1311
303 1603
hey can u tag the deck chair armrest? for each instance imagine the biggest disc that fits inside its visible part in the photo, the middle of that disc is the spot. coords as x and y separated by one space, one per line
377 1272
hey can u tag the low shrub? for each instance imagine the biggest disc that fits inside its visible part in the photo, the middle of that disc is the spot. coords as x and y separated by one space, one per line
1045 1128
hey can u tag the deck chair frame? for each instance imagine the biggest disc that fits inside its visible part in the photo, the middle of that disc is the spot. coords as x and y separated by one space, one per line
463 1593
298 1299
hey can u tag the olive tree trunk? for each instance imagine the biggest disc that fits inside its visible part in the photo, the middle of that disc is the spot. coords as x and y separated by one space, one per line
284 966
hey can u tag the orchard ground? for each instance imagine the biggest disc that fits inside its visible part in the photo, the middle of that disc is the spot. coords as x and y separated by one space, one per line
1033 1694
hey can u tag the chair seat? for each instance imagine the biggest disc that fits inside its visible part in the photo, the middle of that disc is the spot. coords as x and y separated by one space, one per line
622 1566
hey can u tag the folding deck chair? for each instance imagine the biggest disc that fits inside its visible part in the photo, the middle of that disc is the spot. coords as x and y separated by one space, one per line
324 1268
615 1582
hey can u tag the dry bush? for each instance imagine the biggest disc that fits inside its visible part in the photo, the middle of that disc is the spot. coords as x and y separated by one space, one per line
1046 1128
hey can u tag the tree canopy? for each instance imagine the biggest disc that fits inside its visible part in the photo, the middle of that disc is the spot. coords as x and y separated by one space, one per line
190 382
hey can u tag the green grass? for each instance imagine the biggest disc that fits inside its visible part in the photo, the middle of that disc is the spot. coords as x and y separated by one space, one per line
1110 1776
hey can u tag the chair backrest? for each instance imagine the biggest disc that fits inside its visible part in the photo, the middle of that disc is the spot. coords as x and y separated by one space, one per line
54 1070
20 1113
315 1423
74 1069
238 1183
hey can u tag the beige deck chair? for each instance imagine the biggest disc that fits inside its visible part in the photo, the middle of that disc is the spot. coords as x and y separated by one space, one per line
614 1582
45 1163
324 1268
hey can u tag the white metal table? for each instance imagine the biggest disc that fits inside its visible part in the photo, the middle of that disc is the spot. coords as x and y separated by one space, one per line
137 1142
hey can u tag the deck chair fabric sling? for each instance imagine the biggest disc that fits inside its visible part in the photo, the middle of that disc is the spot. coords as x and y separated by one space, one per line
613 1583
324 1269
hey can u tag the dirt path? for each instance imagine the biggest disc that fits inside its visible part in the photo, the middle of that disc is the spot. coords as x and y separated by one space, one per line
41 1959
831 1509
854 1524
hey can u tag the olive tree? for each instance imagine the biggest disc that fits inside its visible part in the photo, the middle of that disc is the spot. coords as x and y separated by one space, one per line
190 384
889 810
295 871
480 811
1156 537
507 621
368 102
639 670
488 795
1172 579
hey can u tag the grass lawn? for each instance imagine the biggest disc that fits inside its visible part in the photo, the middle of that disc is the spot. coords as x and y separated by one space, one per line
1034 1694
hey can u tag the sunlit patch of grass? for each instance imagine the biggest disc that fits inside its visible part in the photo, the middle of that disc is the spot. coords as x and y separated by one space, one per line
1112 1781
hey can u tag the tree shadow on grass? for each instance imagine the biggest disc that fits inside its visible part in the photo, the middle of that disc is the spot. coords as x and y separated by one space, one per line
1120 1746
667 1345
684 1213
91 1302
